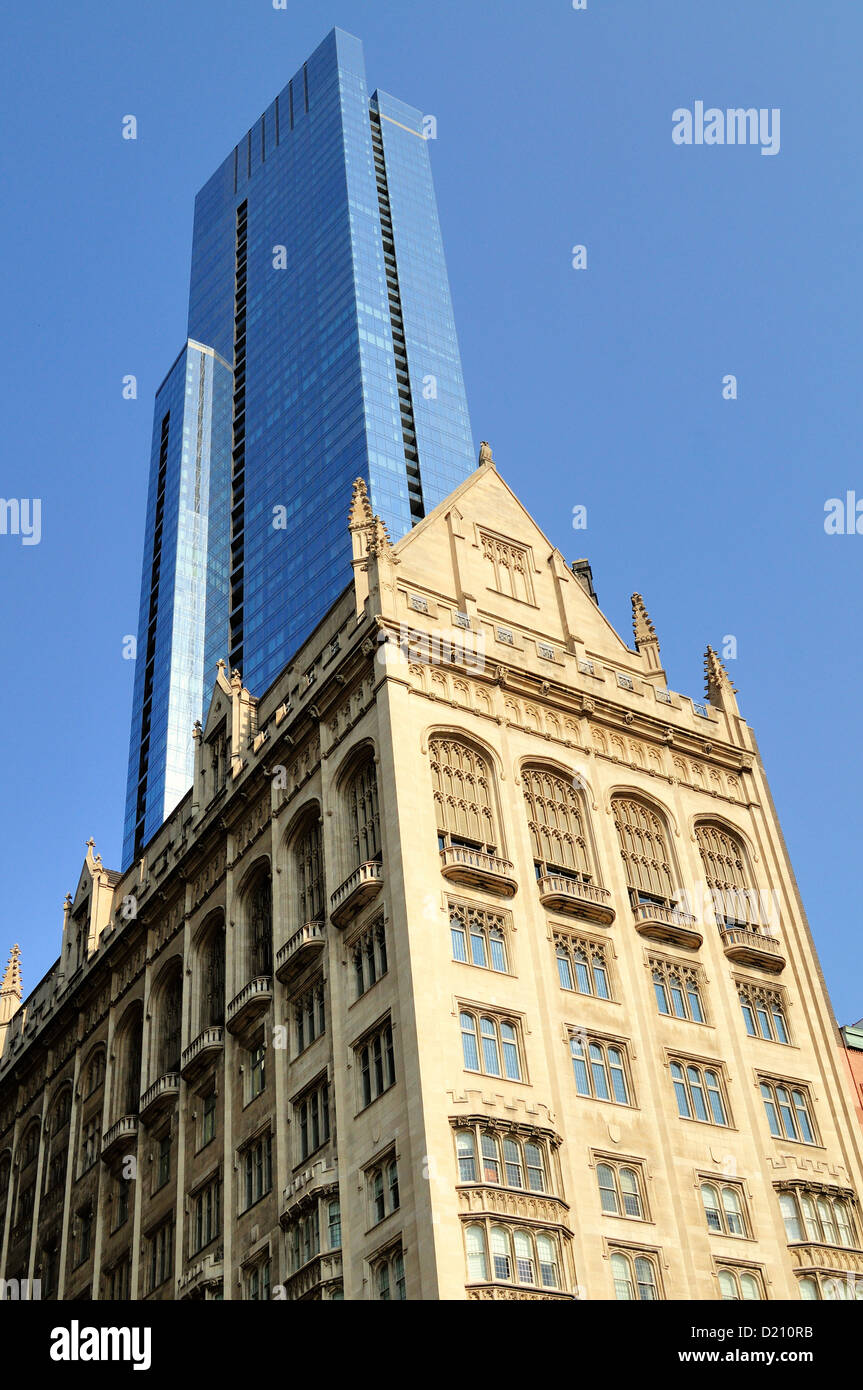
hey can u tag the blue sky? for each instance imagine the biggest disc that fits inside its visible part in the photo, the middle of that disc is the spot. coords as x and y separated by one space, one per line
600 387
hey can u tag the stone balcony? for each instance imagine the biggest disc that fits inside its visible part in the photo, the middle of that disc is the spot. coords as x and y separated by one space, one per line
522 1295
747 946
205 1046
301 949
246 1007
667 924
159 1097
322 1273
477 869
357 890
560 893
828 1259
202 1278
121 1138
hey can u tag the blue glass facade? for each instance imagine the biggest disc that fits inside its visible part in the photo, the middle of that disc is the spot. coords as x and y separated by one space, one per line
318 273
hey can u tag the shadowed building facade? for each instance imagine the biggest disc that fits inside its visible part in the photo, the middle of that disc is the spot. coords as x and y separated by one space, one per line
471 967
321 348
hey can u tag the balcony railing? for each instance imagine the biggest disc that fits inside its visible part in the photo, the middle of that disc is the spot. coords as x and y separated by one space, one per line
560 893
160 1096
749 947
247 1006
124 1132
668 924
478 869
206 1274
304 946
196 1056
359 888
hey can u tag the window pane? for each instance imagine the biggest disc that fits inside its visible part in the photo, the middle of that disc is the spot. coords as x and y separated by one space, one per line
645 1279
727 1286
459 948
579 1066
764 1023
661 996
677 1001
631 1194
490 1054
466 1149
607 1189
808 1289
564 970
772 1114
598 1072
535 1167
477 948
750 1287
733 1212
620 1271
711 1207
600 979
490 1159
779 1025
680 1091
618 1076
498 953
696 1091
582 976
512 1162
749 1019
714 1095
468 1038
510 1052
802 1112
694 1004
477 1265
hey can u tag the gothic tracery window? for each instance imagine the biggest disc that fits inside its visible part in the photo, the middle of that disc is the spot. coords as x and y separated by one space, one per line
644 850
260 920
364 814
727 875
463 795
556 824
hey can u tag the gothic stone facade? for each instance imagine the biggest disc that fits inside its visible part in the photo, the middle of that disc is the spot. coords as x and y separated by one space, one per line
472 967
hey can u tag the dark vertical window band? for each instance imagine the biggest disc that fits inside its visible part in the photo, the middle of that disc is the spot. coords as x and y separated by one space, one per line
277 119
238 457
306 86
406 408
291 102
152 623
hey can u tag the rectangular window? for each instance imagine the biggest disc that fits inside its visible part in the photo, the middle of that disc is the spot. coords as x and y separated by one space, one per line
491 1045
478 936
257 1069
369 957
677 989
312 1118
582 965
621 1187
375 1058
788 1108
601 1069
699 1091
206 1215
309 1016
208 1119
256 1171
161 1251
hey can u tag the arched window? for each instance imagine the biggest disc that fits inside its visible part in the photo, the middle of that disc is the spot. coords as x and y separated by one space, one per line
634 1277
699 1093
477 1261
61 1112
723 1209
212 962
738 1284
129 1053
259 910
169 1022
309 873
645 853
95 1072
819 1217
30 1144
726 871
463 796
490 1045
556 823
364 822
620 1190
524 1164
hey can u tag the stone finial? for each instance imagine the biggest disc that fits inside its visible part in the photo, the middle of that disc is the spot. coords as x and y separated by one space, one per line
642 627
221 666
717 682
379 542
12 978
360 514
486 458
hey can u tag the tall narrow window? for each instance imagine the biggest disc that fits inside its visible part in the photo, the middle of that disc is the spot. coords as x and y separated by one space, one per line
213 979
364 814
170 1017
260 920
556 824
735 901
308 867
463 796
645 853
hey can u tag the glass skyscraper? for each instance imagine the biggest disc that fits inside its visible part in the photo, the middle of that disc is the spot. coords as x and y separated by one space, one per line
321 348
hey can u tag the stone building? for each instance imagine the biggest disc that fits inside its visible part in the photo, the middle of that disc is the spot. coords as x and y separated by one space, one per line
471 967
